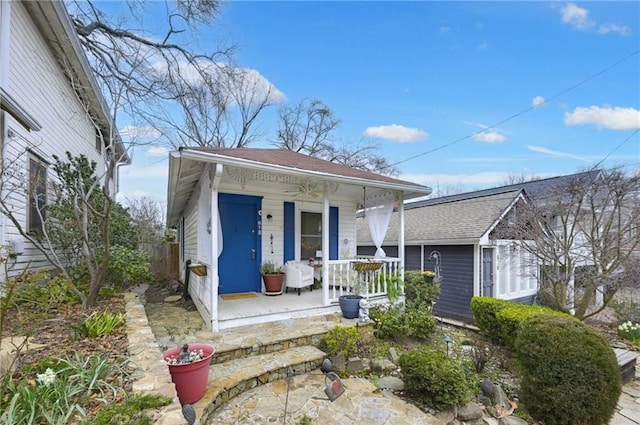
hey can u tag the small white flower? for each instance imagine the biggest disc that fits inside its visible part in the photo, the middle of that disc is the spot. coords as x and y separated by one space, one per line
47 378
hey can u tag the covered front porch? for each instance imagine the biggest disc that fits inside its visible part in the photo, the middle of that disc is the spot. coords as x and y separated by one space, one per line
239 211
339 277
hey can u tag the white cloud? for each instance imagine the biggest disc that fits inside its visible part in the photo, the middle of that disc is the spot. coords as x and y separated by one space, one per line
577 17
614 118
490 136
444 30
397 133
550 152
537 101
131 131
157 151
240 83
615 28
482 46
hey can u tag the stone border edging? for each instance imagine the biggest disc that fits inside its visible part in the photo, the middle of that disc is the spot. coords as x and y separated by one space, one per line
151 374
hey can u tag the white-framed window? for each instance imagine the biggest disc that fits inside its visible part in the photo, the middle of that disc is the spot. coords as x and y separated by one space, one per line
37 194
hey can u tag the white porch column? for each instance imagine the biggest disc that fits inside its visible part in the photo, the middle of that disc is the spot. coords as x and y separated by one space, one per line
215 176
401 233
325 245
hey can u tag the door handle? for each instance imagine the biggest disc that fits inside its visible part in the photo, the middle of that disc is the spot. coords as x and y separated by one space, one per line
253 254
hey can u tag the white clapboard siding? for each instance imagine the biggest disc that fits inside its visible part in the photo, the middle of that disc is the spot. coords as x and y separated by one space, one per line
40 85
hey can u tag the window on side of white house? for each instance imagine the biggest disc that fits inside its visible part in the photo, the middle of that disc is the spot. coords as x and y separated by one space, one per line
310 234
37 196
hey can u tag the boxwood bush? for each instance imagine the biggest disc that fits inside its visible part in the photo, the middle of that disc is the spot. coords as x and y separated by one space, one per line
484 311
569 374
434 378
511 316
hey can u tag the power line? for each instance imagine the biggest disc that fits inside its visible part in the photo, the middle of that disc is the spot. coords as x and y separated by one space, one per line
522 112
617 147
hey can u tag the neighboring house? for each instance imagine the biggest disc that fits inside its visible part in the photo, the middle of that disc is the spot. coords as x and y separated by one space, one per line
50 103
237 208
456 237
463 236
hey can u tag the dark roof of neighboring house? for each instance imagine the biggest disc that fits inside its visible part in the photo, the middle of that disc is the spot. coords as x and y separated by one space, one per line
534 189
463 221
295 160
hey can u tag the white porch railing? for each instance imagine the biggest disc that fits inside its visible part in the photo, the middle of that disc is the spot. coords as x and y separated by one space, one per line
343 277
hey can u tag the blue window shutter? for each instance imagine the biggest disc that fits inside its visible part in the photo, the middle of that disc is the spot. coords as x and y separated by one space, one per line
289 231
333 233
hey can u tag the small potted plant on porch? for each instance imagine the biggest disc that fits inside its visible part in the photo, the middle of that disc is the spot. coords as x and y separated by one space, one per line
273 277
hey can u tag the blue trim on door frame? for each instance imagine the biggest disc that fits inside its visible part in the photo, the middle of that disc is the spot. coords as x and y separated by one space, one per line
333 233
289 232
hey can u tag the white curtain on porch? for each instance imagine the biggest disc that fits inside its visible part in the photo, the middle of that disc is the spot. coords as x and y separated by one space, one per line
378 217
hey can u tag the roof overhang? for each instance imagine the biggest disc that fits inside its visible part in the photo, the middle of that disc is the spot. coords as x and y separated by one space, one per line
181 183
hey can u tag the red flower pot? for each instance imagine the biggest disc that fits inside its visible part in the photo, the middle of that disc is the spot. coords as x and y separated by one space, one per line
190 379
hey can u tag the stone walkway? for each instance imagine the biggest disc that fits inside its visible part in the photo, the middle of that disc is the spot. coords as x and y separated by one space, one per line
163 325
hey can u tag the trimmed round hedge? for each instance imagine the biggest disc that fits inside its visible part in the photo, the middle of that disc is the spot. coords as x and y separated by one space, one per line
569 372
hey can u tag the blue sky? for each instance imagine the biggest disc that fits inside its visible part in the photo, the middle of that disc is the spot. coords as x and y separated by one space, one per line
427 81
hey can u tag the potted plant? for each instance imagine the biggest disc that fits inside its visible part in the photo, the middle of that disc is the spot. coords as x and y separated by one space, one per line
428 275
189 369
273 277
350 303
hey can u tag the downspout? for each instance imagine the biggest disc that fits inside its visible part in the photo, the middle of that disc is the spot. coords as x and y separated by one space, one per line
215 176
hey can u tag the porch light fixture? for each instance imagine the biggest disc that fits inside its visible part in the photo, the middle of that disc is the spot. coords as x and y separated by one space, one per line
319 254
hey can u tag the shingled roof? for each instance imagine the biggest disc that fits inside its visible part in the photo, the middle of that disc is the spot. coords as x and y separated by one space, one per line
463 221
535 189
298 161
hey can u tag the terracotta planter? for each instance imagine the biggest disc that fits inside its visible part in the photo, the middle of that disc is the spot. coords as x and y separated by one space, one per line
190 379
273 283
350 306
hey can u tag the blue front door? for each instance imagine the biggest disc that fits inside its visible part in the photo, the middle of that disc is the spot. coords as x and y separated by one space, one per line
239 263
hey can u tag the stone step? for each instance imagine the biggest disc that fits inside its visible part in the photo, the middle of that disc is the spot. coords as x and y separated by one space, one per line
247 341
233 377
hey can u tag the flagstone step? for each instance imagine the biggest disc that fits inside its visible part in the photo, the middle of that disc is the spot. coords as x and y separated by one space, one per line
233 377
247 341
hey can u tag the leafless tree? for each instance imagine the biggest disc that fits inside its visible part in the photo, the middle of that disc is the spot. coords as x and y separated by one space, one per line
308 128
586 239
212 104
147 216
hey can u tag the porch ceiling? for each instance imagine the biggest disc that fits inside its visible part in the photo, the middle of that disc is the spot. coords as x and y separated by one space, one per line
186 168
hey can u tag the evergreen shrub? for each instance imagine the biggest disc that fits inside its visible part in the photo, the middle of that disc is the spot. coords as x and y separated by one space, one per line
569 373
434 378
484 311
511 316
